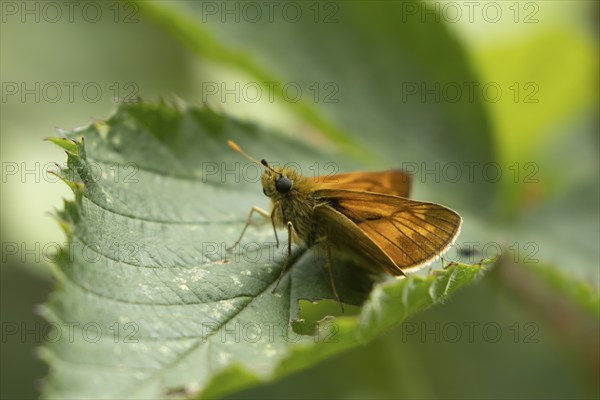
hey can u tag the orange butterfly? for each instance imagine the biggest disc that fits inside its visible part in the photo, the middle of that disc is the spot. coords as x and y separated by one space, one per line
363 213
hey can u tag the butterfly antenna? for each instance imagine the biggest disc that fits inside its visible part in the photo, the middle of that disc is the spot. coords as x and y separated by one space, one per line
237 148
234 146
267 166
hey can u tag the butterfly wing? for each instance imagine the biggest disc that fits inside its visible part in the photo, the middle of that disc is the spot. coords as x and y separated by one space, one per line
399 234
393 182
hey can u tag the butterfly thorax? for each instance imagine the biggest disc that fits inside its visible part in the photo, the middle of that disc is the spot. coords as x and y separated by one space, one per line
291 201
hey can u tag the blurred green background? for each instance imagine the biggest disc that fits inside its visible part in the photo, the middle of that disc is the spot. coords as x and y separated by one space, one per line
542 55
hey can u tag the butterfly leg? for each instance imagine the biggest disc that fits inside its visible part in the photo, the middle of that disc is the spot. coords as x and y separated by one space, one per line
331 281
290 228
249 220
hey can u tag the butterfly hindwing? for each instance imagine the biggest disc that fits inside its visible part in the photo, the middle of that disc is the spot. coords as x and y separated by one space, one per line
410 233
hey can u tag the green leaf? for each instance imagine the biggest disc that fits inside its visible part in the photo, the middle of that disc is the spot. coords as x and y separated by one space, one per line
149 300
576 291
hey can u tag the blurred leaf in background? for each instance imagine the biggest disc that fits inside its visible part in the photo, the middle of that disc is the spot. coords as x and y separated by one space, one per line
434 87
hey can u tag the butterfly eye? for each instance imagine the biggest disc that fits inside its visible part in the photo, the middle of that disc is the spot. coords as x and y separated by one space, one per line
283 184
265 192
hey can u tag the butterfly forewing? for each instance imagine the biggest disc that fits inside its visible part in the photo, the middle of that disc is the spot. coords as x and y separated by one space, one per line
394 182
344 234
410 233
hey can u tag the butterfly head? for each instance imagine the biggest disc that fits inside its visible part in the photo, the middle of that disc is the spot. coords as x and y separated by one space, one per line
278 181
